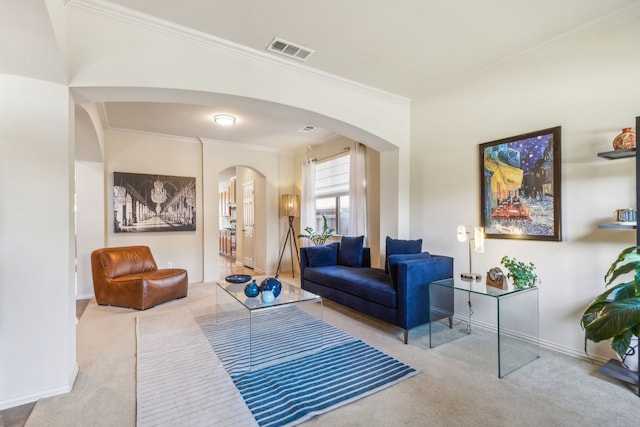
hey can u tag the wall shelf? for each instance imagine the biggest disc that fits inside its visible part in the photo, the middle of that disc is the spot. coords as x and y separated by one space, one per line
618 154
613 368
618 226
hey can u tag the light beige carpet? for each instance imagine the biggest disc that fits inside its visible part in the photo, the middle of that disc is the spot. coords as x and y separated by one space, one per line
180 379
458 385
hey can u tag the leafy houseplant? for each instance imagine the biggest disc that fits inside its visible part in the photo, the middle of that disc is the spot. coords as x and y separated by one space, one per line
615 313
523 275
318 239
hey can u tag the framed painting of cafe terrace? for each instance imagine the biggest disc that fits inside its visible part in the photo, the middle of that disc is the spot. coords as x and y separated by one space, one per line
520 186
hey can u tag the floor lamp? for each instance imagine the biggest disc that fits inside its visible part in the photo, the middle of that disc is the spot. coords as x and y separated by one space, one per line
289 207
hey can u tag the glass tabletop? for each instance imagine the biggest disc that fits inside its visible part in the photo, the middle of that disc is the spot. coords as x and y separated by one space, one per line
479 287
290 294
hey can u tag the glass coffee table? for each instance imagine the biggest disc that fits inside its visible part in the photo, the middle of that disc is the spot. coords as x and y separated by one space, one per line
509 317
268 330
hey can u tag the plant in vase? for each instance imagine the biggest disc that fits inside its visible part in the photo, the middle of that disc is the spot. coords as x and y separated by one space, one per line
523 274
615 314
321 238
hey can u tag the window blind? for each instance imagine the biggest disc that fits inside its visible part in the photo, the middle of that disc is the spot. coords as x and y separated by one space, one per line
332 177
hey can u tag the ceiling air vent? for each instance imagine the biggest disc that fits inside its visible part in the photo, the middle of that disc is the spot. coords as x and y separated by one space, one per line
306 129
289 49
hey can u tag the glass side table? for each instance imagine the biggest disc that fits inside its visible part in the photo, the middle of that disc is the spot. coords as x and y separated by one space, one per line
512 314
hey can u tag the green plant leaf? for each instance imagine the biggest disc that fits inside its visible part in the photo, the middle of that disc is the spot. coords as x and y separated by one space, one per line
607 320
318 238
620 343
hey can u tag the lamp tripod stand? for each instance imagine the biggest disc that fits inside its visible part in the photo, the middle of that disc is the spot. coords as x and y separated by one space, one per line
290 234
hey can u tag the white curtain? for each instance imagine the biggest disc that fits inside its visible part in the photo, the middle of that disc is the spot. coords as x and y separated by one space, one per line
357 190
308 198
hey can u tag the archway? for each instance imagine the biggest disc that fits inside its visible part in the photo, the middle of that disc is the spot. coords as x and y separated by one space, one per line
242 224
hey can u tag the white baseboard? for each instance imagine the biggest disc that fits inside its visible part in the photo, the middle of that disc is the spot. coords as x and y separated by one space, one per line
30 398
544 344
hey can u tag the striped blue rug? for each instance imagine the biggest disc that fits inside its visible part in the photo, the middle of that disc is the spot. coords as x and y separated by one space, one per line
300 366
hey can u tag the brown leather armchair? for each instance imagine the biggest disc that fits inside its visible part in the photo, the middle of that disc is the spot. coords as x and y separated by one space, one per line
129 277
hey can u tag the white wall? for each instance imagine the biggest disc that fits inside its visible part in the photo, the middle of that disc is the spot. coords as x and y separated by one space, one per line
90 222
37 298
137 152
91 229
590 87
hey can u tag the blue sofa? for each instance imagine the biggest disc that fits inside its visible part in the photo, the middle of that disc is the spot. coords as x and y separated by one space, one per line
398 294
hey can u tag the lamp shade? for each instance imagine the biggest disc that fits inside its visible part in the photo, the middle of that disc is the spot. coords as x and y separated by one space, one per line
289 205
478 239
461 233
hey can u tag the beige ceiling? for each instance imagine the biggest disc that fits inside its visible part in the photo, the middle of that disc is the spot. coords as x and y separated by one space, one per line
410 48
406 47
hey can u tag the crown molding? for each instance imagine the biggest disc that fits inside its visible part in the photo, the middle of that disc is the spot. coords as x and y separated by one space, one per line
178 138
150 23
241 145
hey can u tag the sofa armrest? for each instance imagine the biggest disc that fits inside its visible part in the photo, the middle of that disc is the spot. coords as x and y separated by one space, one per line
366 257
412 281
304 263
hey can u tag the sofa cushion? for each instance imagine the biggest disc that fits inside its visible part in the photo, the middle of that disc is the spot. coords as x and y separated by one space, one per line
393 261
397 246
323 256
371 284
350 251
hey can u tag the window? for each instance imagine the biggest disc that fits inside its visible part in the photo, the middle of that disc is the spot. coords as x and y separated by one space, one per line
332 194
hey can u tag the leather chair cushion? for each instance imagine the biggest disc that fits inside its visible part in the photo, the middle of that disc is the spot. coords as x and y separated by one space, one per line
129 260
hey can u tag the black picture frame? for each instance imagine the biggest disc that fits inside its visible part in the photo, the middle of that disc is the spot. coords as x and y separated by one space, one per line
146 203
520 186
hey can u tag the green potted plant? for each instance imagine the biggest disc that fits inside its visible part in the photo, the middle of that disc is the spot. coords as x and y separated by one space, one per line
321 238
615 313
523 274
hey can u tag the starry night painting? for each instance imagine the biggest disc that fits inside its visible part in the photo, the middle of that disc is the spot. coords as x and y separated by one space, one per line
520 186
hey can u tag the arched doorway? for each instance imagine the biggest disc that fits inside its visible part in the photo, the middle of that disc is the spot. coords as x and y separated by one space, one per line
242 230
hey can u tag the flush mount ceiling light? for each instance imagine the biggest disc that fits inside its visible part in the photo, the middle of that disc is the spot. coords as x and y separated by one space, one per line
290 50
224 119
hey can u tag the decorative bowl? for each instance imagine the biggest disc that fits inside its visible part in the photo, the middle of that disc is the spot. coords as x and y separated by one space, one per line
238 278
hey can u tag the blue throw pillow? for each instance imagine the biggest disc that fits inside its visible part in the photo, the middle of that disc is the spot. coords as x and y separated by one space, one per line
351 251
323 256
393 261
396 246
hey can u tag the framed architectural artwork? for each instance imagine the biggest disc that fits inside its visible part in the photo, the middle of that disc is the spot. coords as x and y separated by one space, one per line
144 203
520 186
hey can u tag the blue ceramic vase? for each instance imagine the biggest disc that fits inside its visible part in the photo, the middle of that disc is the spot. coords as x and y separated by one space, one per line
267 296
252 289
271 284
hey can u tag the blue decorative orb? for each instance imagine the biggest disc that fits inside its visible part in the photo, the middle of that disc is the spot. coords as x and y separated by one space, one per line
252 289
271 284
